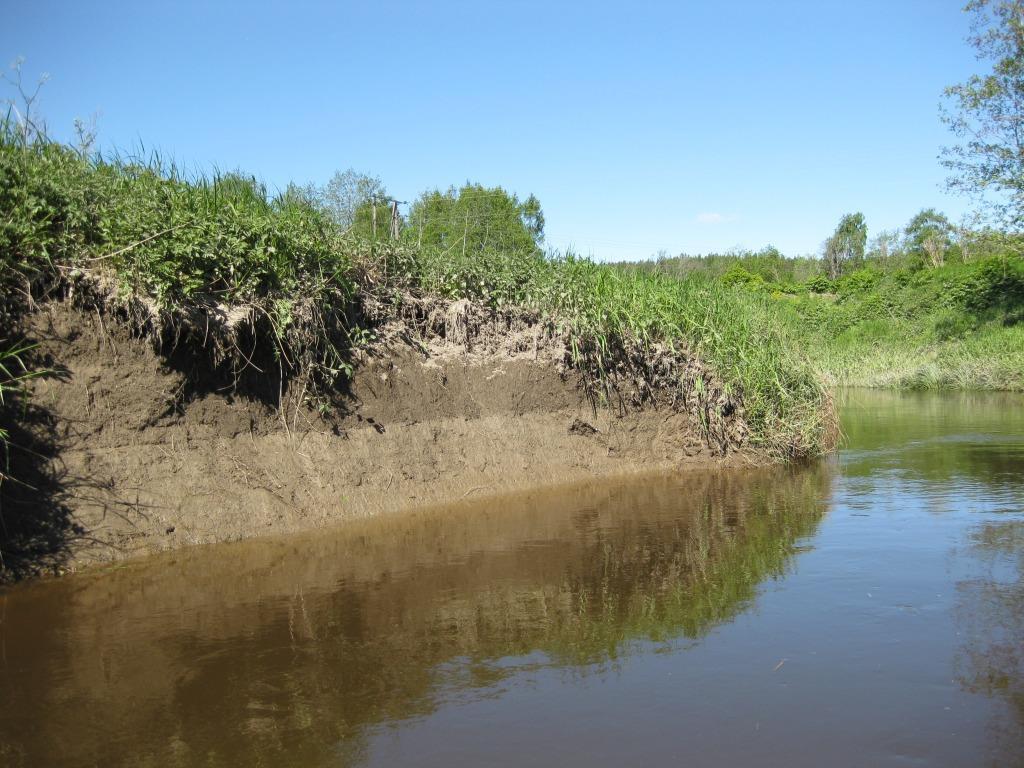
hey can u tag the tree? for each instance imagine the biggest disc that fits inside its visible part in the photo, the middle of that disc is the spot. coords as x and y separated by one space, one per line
846 245
883 244
475 218
927 236
964 237
345 194
533 217
986 114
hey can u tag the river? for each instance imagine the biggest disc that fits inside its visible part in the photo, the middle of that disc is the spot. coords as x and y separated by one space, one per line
867 609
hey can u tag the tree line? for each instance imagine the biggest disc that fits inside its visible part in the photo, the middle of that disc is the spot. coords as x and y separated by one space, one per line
469 219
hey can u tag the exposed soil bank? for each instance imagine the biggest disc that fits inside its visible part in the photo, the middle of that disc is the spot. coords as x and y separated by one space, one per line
149 457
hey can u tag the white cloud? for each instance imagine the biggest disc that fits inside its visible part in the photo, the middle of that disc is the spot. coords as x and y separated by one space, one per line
709 217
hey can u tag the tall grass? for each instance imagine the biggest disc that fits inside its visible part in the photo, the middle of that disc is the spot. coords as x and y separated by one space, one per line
204 245
960 326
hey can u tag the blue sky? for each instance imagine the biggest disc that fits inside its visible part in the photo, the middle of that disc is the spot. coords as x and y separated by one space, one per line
640 126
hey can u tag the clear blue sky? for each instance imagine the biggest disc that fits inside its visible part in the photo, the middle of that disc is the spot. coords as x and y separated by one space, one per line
684 126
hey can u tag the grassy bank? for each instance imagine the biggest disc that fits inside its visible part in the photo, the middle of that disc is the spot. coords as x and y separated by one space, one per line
272 283
951 327
894 322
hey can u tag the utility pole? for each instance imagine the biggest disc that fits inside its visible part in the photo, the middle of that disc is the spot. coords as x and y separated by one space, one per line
394 219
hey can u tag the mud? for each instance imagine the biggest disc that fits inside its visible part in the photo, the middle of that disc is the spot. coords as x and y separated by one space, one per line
151 456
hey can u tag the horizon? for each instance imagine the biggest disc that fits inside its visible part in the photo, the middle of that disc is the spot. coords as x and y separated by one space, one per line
634 130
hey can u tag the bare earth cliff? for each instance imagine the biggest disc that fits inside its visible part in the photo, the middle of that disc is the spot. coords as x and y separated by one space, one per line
151 457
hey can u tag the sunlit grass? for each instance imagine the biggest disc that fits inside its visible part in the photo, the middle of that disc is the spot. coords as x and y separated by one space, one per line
931 334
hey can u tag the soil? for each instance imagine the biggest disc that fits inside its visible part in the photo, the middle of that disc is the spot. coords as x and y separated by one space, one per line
149 460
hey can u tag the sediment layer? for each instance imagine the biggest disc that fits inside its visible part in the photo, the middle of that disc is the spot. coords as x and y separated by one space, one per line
148 455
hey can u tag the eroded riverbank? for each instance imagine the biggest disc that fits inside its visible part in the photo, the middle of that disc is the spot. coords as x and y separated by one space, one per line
144 452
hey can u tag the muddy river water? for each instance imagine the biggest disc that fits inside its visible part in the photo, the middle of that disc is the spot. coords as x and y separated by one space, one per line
866 610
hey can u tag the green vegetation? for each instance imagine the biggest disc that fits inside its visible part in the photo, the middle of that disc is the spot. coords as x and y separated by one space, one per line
182 256
955 326
474 219
938 308
846 246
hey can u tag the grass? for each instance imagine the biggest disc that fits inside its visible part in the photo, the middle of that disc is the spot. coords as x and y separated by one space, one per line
902 357
895 322
952 327
182 245
167 247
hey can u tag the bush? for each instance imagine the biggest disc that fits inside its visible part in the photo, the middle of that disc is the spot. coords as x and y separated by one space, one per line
820 284
993 284
951 324
858 282
739 275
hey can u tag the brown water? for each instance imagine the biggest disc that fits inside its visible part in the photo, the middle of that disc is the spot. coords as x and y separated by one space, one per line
867 610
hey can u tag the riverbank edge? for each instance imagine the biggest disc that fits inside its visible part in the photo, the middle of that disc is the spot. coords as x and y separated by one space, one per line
139 454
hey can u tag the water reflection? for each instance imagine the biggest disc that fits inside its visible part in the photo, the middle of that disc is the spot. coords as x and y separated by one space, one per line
286 652
990 618
951 438
961 457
